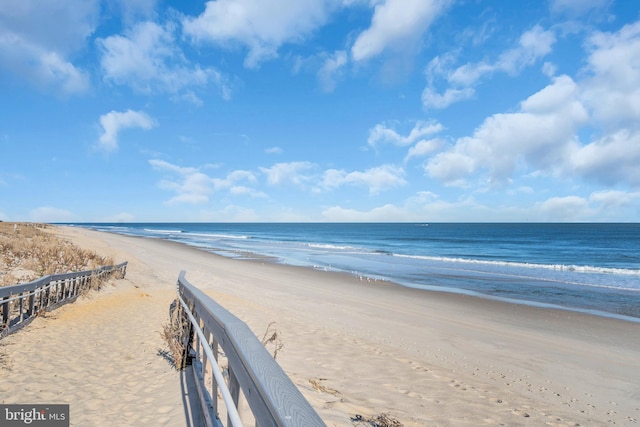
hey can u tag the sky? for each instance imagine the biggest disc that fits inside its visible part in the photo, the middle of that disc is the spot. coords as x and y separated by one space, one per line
320 110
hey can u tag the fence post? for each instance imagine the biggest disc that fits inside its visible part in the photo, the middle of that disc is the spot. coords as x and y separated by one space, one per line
21 307
5 311
234 389
32 302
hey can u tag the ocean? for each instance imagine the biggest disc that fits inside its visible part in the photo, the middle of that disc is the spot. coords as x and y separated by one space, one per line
592 268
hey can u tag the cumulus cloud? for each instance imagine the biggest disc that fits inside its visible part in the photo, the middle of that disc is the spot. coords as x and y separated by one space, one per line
114 121
611 90
192 186
434 100
610 160
613 86
331 70
542 135
38 38
195 187
147 59
396 23
533 44
569 208
384 213
273 150
383 133
289 173
614 198
136 9
424 148
260 25
376 179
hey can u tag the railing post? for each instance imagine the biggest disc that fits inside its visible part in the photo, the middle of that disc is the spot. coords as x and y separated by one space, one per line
214 384
21 307
234 389
32 302
63 290
5 311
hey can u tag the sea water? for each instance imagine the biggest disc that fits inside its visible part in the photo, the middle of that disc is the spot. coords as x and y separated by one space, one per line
585 267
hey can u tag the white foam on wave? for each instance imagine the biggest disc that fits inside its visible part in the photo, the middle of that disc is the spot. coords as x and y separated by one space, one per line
217 235
554 267
151 230
330 246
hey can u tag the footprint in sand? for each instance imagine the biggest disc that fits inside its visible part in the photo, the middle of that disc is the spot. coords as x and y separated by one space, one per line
520 413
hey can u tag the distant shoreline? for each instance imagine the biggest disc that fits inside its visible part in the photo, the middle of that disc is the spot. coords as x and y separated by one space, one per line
169 230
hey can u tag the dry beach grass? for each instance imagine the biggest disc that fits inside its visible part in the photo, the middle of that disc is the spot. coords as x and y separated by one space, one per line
29 251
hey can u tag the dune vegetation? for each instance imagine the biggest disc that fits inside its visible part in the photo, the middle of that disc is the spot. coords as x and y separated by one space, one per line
29 251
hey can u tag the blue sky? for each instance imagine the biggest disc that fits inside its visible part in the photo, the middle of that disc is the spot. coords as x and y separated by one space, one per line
319 110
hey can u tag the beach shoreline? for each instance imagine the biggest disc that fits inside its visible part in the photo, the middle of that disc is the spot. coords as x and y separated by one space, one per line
422 357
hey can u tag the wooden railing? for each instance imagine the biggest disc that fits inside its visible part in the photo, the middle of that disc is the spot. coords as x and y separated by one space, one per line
19 304
272 398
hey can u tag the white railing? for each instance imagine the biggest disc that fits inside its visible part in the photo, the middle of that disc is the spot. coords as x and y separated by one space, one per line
19 304
272 398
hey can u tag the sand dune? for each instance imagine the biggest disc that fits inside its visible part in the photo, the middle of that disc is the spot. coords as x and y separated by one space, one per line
356 349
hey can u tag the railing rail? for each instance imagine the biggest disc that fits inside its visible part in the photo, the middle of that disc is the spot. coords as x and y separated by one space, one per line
19 304
273 399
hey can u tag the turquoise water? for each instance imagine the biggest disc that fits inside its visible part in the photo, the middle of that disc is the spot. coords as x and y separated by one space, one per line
585 267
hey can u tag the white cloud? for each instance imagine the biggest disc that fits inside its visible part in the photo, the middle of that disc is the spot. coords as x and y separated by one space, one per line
541 135
113 122
534 44
613 88
610 160
230 213
423 148
382 133
133 10
384 213
260 25
377 179
148 59
288 173
273 150
396 24
192 185
51 214
614 198
576 7
195 187
433 100
569 208
331 70
37 39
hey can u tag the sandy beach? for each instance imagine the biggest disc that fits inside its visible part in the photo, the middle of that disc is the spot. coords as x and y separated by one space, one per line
423 358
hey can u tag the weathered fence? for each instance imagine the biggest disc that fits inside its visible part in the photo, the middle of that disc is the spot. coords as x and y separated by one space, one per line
272 398
19 304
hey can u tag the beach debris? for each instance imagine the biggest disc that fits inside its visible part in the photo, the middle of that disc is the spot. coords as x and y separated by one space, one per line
174 334
272 338
315 383
382 420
